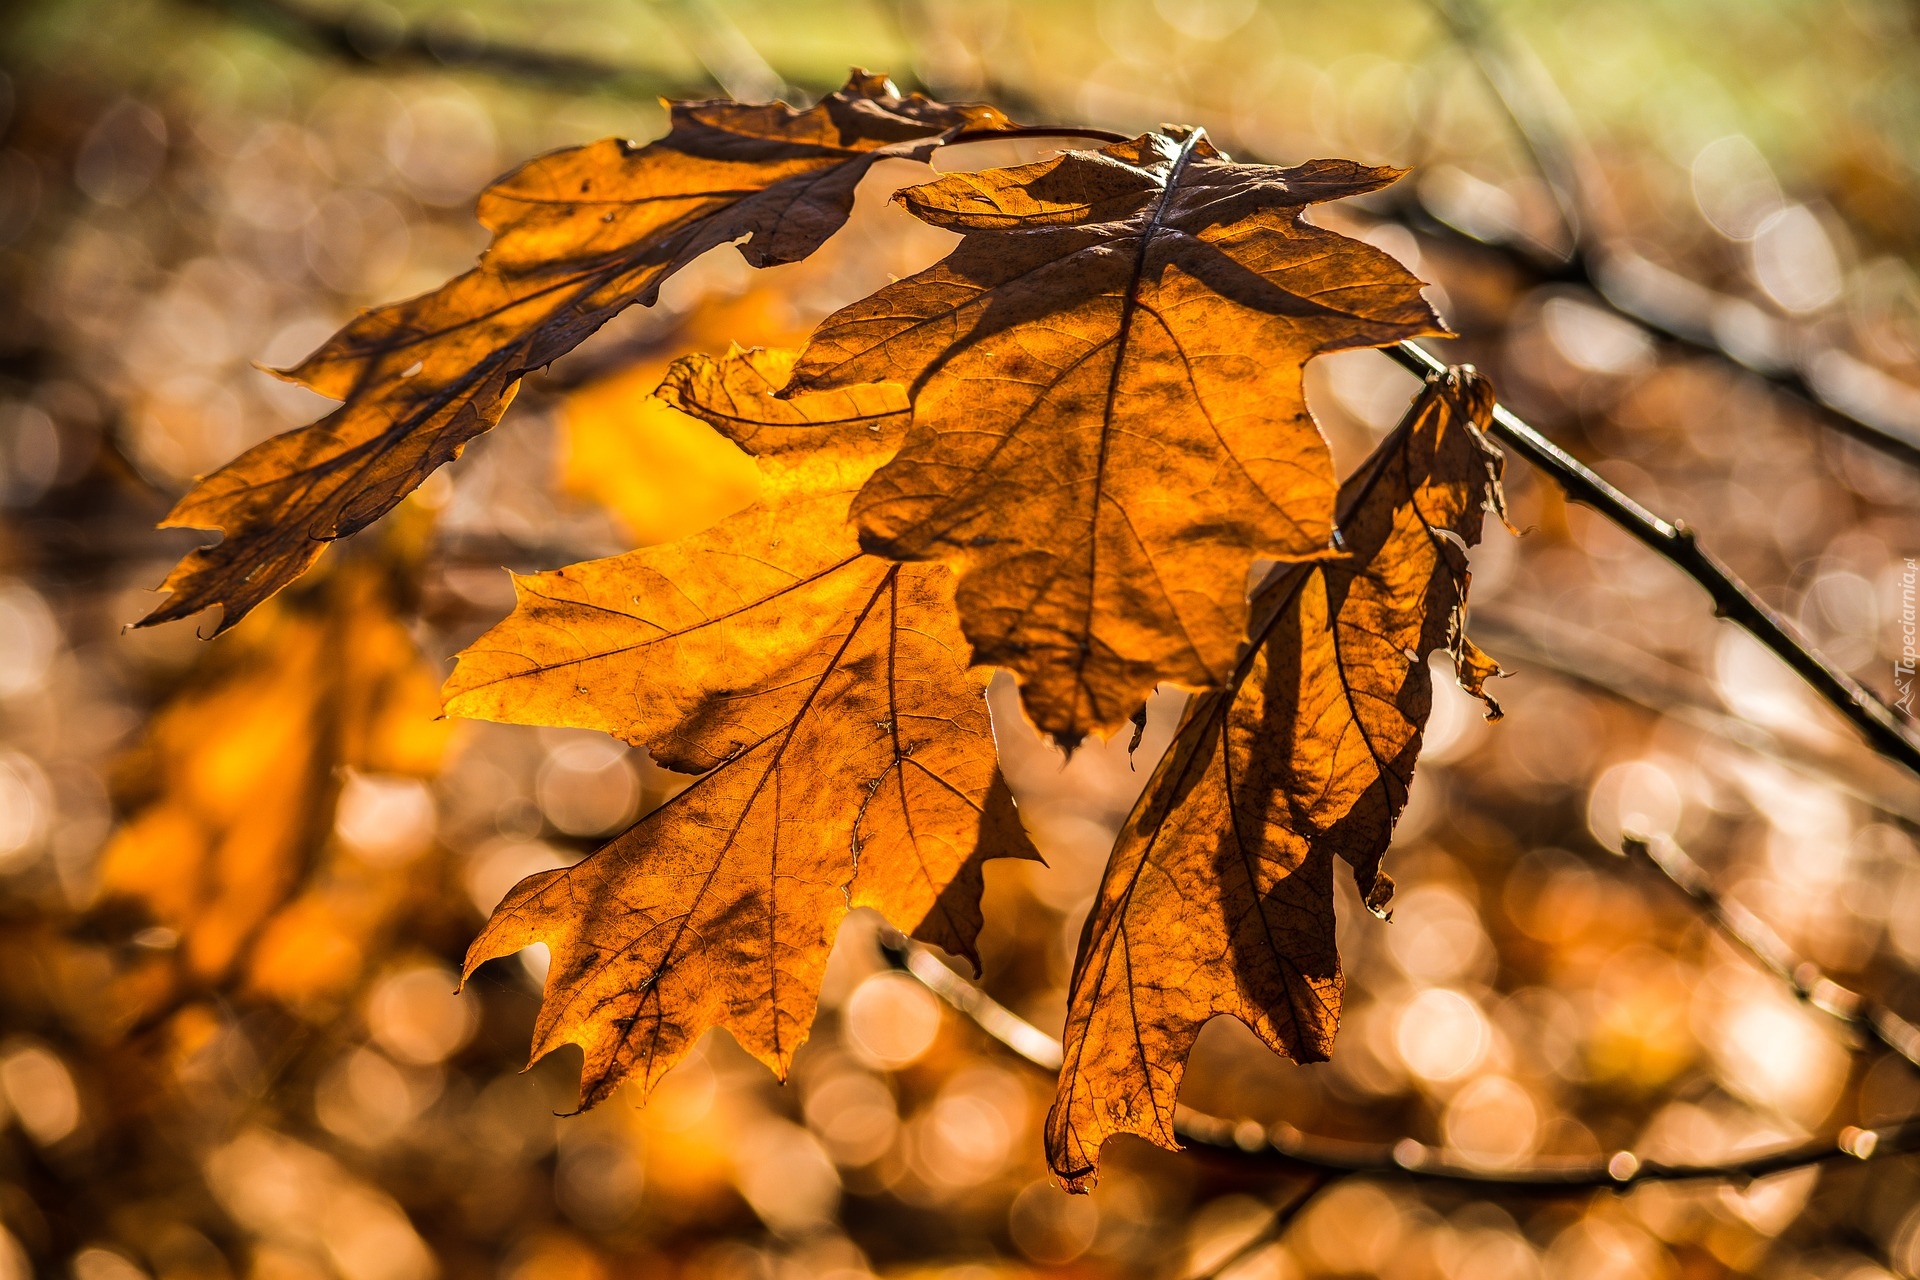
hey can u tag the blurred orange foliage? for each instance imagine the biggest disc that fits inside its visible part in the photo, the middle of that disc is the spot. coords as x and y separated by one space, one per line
233 845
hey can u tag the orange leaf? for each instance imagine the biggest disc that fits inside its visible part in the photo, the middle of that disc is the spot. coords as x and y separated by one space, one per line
579 236
848 751
1108 419
1218 898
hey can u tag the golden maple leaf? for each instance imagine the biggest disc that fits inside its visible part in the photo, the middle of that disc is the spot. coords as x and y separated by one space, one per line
579 236
1108 419
827 695
1218 898
643 645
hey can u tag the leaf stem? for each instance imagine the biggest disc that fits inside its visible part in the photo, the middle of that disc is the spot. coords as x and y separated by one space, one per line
1036 131
1284 1146
1677 544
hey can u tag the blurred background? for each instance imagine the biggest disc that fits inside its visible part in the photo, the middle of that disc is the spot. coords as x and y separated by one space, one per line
237 878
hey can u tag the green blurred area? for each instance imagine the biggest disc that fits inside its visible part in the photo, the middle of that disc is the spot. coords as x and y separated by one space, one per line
1797 77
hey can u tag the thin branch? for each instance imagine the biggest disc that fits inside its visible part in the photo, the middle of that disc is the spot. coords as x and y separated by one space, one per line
1282 1145
1847 394
1839 390
357 38
1805 979
1541 639
1275 1228
1677 544
1545 145
1682 312
992 1017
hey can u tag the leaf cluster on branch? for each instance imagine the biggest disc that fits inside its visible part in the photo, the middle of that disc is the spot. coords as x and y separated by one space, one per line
1063 450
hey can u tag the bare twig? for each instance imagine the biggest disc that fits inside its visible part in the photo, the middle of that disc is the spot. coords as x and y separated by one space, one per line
1684 313
1275 1228
1844 392
1284 1146
1677 544
1543 640
1839 390
992 1017
1805 979
360 40
1547 147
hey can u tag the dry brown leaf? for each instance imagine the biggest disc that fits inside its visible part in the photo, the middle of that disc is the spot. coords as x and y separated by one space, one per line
848 752
1219 897
236 783
579 236
1108 420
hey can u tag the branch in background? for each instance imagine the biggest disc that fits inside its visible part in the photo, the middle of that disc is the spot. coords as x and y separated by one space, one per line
1677 544
1549 642
722 48
1867 1017
1283 1146
360 38
1839 389
1275 1228
992 1017
1841 392
1546 146
1845 392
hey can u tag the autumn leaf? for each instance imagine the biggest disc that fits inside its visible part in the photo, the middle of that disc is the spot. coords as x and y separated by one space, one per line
579 236
234 789
666 647
1218 898
847 749
1108 419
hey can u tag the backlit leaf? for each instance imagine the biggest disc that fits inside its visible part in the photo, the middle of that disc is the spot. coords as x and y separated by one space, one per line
669 647
1108 420
1218 898
848 751
660 472
579 236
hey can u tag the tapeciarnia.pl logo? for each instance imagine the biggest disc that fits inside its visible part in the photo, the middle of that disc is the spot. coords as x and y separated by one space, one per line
1903 665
